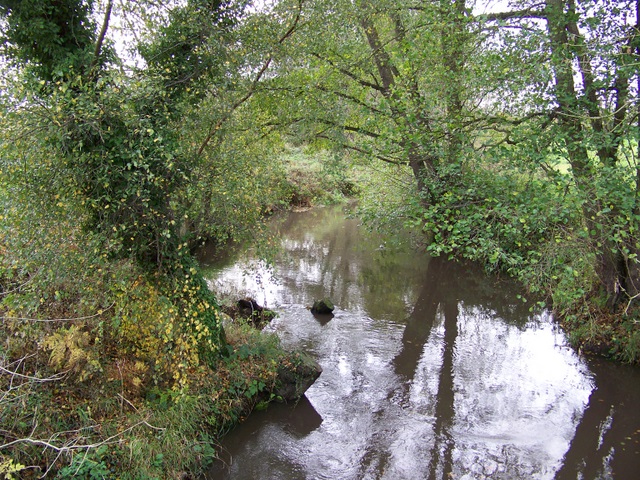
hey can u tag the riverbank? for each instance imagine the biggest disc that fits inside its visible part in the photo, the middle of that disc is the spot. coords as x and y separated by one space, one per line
100 376
102 372
103 414
77 400
616 336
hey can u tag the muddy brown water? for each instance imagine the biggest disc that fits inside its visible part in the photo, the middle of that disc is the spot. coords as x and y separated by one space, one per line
431 370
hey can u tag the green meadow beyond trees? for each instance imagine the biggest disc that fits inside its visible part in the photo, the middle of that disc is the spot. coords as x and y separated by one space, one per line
133 132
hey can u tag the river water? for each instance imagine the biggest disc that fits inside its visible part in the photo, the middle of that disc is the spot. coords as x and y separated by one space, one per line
430 370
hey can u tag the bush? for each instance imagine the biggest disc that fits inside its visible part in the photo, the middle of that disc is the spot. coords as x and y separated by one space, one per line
317 178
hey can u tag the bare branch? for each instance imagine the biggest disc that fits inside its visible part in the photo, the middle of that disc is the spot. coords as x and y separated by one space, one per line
53 378
71 447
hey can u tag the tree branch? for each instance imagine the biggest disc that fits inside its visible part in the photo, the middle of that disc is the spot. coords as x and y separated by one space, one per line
350 74
387 71
519 121
348 128
54 378
100 312
515 15
254 83
71 446
353 99
349 146
103 32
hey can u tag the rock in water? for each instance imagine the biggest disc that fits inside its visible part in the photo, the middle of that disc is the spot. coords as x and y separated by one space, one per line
295 375
322 306
248 308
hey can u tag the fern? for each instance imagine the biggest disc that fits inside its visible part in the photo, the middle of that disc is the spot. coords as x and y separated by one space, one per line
70 351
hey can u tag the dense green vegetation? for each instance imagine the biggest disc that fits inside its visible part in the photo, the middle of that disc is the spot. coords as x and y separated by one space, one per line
519 130
507 138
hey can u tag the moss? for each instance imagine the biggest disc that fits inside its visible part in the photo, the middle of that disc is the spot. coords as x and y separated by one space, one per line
296 373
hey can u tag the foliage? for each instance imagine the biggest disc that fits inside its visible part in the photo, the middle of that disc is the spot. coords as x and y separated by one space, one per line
50 36
233 188
88 466
515 125
8 468
187 425
135 416
69 351
118 165
384 118
102 302
317 177
388 201
467 130
168 334
191 48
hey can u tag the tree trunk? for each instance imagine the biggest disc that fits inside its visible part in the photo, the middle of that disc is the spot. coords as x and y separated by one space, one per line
632 260
423 165
424 171
610 266
454 38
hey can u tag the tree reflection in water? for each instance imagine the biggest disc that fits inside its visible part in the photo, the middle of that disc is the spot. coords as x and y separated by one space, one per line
431 370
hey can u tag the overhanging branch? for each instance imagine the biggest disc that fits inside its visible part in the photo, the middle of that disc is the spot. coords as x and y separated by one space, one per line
350 74
352 99
363 151
532 12
254 84
349 128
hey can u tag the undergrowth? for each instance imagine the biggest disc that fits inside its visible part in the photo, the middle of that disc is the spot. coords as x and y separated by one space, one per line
111 371
123 393
318 177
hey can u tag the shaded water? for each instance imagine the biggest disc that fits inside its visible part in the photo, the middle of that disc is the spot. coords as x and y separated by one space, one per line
431 370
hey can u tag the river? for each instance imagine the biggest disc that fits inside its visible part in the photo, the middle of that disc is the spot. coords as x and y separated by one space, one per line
431 369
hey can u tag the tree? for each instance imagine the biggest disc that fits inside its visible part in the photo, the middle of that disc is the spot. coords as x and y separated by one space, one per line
118 154
51 37
373 83
591 53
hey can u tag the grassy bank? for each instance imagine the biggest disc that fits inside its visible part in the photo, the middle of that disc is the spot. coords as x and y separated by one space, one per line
80 398
318 178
